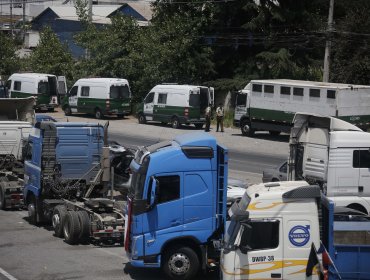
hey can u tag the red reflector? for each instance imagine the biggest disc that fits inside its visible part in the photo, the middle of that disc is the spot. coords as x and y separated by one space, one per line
109 230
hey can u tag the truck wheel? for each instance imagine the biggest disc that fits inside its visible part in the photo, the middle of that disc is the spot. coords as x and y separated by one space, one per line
142 119
274 133
67 111
180 262
246 129
198 125
98 114
59 216
71 228
2 199
175 123
33 210
84 219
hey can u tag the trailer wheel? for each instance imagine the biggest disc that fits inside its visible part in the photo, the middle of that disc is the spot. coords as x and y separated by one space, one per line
67 111
175 123
71 228
180 262
2 199
198 125
142 119
84 219
59 216
98 114
247 129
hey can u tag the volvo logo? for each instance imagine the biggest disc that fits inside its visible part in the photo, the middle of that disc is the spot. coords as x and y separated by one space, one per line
299 235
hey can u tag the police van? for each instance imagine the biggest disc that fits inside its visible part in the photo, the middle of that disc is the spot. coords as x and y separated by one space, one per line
176 104
45 88
98 96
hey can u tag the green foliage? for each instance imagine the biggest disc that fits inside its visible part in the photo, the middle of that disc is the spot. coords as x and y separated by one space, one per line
50 56
8 59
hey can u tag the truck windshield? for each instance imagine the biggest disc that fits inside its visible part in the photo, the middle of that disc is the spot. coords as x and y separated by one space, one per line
119 92
234 225
241 99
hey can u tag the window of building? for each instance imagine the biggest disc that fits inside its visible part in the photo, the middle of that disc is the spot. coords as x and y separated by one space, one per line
330 94
268 89
73 91
162 98
149 98
314 92
361 158
17 85
297 91
262 235
85 91
168 188
285 90
257 88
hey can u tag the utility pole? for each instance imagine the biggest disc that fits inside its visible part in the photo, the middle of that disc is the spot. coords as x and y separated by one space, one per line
24 19
90 21
11 17
325 77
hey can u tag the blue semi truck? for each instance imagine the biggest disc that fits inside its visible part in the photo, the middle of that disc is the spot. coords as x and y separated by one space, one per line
66 178
176 219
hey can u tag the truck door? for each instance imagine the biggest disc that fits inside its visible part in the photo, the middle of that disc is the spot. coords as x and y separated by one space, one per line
149 106
165 220
361 160
259 251
72 99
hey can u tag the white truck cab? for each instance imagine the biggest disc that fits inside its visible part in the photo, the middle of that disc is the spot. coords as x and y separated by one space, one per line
271 232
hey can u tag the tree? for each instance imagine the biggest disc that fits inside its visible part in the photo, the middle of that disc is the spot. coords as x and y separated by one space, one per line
8 60
51 56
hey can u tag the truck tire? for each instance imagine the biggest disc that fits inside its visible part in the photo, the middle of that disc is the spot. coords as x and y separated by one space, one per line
247 129
67 111
175 123
98 114
71 228
2 199
34 216
180 262
58 218
142 119
84 219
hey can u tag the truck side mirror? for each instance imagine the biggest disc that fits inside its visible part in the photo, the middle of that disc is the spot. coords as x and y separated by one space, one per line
246 238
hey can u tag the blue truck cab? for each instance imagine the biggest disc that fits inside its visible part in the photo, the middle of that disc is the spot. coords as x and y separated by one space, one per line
60 161
176 204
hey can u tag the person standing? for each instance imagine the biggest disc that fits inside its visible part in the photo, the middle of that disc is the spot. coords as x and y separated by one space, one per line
208 118
220 117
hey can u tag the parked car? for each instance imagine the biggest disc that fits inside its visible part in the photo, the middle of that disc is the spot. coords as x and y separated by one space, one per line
235 190
276 174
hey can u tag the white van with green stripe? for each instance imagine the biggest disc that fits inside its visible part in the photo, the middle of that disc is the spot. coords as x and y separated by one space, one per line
45 88
270 105
98 96
176 104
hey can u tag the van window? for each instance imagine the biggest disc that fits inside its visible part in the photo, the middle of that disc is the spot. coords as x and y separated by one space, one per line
263 235
194 100
162 98
119 92
241 100
149 98
268 89
43 87
285 90
85 91
17 85
297 91
257 88
169 188
330 94
314 92
73 91
361 159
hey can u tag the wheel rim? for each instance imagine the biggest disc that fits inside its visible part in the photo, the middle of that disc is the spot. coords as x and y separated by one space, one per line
31 210
179 263
98 114
55 220
175 123
66 230
246 128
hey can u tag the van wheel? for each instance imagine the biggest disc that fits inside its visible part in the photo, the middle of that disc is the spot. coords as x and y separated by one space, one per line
274 133
98 114
175 123
142 119
180 262
198 125
247 129
67 111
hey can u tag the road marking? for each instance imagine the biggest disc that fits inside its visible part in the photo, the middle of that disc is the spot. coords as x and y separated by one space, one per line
7 275
111 253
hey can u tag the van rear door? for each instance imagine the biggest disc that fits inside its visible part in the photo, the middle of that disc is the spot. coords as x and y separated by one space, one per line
62 87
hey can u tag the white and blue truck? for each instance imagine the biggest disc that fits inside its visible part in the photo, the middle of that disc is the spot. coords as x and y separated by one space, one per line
176 220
